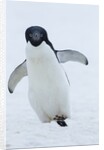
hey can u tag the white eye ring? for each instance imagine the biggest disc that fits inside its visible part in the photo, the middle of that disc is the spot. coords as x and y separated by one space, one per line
30 35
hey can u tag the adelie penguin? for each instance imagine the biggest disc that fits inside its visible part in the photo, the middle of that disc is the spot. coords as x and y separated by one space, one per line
48 82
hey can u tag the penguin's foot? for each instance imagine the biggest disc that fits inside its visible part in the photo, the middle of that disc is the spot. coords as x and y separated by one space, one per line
59 117
60 120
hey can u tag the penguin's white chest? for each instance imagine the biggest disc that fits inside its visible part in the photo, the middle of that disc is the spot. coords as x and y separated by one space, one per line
48 85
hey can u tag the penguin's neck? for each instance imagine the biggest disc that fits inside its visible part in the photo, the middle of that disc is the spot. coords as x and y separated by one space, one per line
41 52
41 62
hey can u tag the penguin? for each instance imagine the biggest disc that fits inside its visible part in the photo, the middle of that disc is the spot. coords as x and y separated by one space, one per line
49 85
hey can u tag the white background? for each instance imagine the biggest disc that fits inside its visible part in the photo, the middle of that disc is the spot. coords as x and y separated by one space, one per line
70 45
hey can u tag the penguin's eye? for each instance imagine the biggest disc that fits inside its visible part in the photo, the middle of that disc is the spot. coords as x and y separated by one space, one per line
30 35
41 35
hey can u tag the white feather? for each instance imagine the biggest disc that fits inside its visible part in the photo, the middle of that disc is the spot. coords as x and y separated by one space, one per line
48 85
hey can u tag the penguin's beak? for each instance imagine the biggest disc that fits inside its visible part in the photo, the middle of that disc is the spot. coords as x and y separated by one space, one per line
36 36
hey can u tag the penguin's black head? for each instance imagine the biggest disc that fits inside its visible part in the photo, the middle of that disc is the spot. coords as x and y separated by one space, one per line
36 35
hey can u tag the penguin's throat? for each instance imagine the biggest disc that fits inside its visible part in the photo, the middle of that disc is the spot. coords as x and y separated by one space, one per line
39 54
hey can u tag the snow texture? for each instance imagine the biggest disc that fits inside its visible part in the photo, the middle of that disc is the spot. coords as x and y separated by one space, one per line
68 26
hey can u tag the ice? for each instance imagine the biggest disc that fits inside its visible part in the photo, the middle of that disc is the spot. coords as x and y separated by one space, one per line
68 26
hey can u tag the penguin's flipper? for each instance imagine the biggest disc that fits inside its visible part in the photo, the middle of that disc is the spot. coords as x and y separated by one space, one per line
19 72
71 55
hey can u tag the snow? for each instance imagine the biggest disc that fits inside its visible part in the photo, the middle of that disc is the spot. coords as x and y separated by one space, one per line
68 26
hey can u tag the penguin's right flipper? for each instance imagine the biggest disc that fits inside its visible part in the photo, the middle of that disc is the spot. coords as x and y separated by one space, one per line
19 72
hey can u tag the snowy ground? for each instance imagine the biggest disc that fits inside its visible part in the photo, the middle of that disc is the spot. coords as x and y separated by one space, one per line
68 26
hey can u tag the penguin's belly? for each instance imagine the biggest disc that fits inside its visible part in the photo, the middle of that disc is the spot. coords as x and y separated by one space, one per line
48 88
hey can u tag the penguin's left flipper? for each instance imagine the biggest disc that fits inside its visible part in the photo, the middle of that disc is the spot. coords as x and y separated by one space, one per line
71 55
19 72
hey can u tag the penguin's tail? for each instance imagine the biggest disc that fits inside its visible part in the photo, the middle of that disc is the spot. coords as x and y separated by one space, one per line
62 123
60 120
